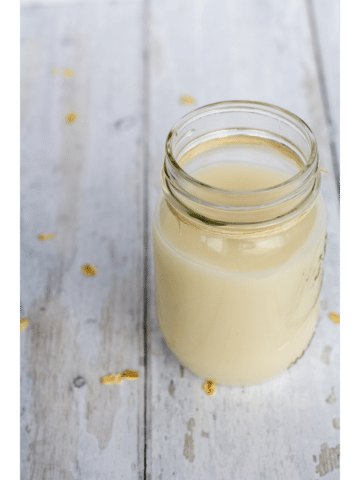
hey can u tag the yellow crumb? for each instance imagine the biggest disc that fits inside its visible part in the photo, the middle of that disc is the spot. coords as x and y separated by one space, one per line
187 100
112 379
210 387
55 71
24 322
323 170
71 118
68 73
131 374
46 236
335 318
89 270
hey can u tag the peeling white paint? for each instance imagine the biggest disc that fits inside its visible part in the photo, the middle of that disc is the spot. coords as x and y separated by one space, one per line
328 459
332 397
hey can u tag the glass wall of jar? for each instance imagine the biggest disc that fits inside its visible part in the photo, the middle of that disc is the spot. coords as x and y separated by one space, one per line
239 236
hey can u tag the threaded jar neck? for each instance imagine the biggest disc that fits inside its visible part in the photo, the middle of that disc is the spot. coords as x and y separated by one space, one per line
244 127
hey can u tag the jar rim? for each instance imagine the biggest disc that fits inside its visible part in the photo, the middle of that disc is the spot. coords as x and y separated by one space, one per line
230 208
243 105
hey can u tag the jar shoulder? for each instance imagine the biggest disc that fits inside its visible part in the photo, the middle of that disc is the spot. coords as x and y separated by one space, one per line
251 254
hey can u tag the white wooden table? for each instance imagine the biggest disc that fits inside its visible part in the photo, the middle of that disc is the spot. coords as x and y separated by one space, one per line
122 67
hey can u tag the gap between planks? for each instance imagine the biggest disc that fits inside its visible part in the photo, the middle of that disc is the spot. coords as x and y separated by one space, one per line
323 89
145 157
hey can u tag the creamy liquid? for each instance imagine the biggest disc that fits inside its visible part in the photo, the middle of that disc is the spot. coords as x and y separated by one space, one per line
243 176
238 311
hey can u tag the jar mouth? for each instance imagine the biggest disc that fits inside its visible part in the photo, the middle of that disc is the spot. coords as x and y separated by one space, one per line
252 120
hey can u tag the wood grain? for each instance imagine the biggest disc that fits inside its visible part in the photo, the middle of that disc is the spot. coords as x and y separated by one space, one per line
325 22
94 183
82 181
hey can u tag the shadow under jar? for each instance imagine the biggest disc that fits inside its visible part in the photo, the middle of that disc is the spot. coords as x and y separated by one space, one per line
239 240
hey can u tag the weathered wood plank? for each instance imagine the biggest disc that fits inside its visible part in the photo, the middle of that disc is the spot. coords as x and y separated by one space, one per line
250 50
55 3
325 20
82 181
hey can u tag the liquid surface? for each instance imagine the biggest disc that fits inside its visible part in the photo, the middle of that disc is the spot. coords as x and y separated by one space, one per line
238 311
244 176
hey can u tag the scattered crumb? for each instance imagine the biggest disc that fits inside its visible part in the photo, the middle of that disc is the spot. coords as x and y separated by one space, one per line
323 170
24 322
332 397
71 118
336 423
335 318
89 270
113 379
181 371
210 387
187 100
131 374
325 356
314 458
55 71
46 236
68 73
204 434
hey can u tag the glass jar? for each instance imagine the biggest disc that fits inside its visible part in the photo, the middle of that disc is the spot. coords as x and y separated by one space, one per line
239 237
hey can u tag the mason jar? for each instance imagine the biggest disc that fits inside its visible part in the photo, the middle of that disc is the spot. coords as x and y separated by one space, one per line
239 237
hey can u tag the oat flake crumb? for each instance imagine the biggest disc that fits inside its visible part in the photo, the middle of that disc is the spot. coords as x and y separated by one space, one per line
335 318
24 322
115 378
46 236
210 387
89 270
131 374
112 379
187 100
68 73
71 118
